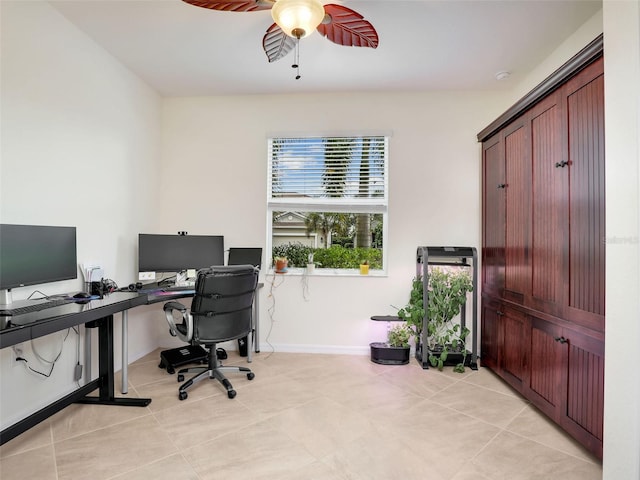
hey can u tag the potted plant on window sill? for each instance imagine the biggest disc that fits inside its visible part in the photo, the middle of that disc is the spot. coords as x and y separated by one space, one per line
446 339
281 264
395 351
364 267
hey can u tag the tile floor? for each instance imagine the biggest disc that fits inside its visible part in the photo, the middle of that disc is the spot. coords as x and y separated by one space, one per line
304 416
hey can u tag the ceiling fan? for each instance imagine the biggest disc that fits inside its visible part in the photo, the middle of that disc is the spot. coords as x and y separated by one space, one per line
295 19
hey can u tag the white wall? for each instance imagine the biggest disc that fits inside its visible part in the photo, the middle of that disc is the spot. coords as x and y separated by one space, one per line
434 189
622 343
563 52
80 138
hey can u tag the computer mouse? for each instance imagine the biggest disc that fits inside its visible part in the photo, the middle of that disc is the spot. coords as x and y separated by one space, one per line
82 295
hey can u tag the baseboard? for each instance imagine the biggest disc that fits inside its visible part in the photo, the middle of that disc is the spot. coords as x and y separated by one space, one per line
306 348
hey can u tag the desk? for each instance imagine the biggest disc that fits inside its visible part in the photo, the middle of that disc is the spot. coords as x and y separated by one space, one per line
96 313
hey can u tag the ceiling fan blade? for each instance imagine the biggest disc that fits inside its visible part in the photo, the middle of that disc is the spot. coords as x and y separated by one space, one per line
276 43
233 5
347 27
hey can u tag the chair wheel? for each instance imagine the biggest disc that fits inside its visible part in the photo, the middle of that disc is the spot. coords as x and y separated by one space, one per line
171 371
182 395
231 393
251 375
180 377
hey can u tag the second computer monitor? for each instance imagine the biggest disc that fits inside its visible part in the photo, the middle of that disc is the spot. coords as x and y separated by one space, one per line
245 256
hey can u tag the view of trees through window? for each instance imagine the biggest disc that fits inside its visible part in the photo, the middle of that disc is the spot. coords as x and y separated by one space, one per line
328 199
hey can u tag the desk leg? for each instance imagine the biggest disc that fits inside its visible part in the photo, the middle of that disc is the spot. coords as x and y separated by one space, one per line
106 394
87 355
255 337
125 352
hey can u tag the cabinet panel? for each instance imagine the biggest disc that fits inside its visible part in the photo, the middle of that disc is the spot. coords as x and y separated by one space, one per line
518 194
493 217
586 218
515 346
583 415
545 367
490 339
548 206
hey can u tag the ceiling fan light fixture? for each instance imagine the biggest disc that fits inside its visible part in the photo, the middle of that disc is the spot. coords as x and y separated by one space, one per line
298 18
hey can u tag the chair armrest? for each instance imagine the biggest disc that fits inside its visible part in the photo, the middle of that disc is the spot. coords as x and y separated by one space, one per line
183 331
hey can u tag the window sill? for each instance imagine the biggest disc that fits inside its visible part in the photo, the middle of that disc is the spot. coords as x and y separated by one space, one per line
328 272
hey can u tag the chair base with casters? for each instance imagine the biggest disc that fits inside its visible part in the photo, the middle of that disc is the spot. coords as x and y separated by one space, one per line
214 371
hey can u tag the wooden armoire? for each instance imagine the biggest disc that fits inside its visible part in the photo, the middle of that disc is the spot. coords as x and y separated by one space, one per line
543 246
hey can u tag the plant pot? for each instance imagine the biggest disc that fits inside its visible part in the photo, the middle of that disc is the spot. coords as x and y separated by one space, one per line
281 266
311 267
383 354
453 357
364 269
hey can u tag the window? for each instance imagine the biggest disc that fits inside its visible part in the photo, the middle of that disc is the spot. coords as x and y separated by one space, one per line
327 198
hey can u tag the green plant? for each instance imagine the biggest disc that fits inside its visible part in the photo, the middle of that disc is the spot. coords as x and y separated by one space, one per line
447 292
413 312
336 256
399 336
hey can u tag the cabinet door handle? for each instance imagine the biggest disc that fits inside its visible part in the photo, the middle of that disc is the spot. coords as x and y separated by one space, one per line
502 185
499 313
562 164
561 340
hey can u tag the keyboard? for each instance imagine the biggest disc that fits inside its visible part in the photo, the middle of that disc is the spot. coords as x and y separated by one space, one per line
173 288
36 306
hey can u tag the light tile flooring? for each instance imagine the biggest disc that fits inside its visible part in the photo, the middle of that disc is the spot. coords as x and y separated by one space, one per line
304 416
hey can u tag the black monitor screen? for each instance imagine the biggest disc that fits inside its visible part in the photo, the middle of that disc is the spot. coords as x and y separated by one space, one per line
34 254
174 253
245 256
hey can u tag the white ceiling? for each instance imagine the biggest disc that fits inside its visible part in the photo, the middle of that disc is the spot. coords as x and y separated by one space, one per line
182 50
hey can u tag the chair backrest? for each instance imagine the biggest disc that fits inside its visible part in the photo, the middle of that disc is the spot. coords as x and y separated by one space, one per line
222 307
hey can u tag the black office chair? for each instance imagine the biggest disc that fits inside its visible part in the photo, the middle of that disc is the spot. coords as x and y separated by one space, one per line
221 310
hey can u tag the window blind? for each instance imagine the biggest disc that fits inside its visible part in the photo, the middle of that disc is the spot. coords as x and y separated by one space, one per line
308 172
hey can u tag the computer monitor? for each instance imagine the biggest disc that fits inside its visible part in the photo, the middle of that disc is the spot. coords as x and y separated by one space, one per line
35 254
245 256
175 253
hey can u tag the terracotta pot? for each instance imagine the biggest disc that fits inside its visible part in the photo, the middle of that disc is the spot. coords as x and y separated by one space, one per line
281 265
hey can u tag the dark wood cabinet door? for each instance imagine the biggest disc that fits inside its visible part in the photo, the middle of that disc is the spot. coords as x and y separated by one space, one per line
493 225
491 339
582 415
585 259
549 206
545 367
514 353
518 211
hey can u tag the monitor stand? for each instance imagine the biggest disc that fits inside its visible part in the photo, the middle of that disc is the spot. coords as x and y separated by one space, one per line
6 298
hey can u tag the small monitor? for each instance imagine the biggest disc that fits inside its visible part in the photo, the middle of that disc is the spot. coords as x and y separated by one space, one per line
245 256
175 253
36 254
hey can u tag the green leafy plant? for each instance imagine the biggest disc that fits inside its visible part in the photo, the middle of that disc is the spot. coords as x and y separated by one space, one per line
336 256
399 336
447 293
413 312
447 290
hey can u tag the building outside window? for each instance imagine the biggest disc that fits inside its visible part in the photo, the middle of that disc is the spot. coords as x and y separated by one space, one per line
328 196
